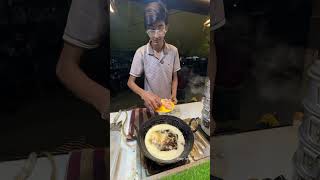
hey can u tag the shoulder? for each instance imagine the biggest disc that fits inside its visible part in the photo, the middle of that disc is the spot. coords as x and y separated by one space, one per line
86 23
141 49
172 48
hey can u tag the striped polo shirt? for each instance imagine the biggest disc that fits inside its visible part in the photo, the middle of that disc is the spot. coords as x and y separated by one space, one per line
158 73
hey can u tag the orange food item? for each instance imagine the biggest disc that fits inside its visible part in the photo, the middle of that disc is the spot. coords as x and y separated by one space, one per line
167 103
166 106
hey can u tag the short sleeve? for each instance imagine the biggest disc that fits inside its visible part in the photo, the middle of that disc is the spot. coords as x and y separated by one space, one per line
87 23
176 66
137 64
217 15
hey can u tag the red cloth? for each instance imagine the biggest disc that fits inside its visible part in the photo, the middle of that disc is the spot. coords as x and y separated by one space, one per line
138 116
99 158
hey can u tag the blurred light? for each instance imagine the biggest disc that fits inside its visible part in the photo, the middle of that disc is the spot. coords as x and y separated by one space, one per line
111 9
207 23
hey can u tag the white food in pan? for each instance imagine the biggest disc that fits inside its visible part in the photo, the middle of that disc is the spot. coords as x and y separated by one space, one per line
154 140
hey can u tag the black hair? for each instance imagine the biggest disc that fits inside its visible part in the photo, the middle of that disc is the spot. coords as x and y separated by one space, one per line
155 12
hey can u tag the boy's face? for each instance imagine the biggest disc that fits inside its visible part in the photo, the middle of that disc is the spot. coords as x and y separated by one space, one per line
157 33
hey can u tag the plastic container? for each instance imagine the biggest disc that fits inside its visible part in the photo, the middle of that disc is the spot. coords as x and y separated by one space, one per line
311 127
299 174
207 88
307 157
205 124
312 98
205 111
205 127
206 102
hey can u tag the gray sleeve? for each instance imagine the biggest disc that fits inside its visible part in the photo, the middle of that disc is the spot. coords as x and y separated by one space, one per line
87 23
137 64
217 15
176 65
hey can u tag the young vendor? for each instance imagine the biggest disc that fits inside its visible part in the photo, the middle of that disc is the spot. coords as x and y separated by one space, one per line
157 60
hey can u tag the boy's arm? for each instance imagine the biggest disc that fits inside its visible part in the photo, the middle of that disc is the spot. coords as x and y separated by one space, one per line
174 87
151 100
134 87
85 28
69 72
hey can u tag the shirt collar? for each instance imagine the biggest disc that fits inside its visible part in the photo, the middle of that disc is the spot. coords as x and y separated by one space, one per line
150 51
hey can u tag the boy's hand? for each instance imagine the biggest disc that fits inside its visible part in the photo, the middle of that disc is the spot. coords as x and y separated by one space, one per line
151 100
174 99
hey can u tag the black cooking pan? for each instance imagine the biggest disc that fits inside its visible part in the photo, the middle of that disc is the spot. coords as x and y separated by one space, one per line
171 120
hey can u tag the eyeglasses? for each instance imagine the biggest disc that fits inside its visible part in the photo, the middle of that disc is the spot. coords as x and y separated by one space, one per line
153 32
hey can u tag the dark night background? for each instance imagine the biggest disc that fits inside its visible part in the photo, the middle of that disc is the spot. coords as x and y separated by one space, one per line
36 112
264 72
